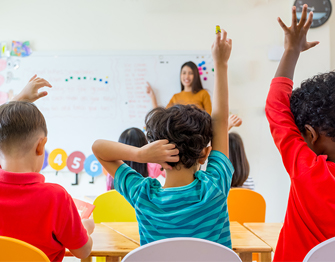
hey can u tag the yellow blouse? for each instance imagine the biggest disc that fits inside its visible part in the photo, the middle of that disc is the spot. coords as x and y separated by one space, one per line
201 99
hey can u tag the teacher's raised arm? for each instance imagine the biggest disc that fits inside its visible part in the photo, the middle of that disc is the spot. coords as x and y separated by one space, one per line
192 91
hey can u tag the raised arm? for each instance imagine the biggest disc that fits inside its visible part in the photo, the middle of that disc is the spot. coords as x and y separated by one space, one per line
110 154
234 121
221 50
152 95
30 92
295 42
295 153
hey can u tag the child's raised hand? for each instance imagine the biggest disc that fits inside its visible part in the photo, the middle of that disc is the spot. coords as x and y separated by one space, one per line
159 152
295 35
221 48
234 121
30 91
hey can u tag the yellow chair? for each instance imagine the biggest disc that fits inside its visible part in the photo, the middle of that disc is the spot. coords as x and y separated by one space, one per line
245 205
113 207
12 249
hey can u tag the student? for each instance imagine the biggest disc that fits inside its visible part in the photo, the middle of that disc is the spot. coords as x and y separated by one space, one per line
192 91
238 158
193 203
302 126
41 214
135 137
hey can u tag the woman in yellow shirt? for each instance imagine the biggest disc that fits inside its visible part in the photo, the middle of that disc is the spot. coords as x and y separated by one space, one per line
192 91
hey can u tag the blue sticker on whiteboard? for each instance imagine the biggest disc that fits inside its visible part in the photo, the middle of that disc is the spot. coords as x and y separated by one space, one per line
45 163
92 166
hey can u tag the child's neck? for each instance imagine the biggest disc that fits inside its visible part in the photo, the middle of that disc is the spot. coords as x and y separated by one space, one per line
180 176
19 165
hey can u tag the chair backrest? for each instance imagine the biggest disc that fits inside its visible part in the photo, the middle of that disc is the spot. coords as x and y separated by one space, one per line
245 205
182 249
324 252
113 207
12 249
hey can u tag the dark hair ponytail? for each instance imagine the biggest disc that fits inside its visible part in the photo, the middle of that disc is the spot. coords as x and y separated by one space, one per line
135 137
239 160
196 83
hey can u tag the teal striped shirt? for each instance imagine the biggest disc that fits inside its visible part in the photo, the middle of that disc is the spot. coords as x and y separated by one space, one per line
197 210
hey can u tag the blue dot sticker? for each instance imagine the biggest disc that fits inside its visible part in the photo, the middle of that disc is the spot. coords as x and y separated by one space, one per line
106 82
204 68
100 80
92 166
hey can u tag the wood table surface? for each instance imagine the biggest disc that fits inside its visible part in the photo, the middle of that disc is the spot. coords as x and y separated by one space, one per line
108 243
243 241
268 232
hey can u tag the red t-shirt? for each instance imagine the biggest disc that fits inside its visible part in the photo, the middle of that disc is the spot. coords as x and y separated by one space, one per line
310 210
41 214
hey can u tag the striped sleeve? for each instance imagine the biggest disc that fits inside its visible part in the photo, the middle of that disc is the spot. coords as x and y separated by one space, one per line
128 183
220 170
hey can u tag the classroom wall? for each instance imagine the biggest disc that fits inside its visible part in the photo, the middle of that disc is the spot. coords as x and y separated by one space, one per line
182 25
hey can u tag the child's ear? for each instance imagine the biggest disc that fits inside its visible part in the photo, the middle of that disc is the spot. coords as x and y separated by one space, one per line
205 153
40 146
311 134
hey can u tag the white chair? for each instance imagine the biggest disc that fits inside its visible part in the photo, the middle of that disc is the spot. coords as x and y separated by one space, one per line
324 252
182 249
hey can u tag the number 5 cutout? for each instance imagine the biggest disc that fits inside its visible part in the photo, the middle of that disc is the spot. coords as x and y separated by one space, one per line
57 159
92 166
75 162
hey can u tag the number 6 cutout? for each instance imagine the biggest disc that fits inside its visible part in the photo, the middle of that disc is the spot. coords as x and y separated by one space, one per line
57 159
75 162
92 166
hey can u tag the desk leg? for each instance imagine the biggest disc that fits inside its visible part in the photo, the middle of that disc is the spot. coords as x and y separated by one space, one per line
265 257
112 259
246 257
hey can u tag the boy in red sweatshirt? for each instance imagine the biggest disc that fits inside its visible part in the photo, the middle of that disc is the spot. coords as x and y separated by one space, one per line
302 124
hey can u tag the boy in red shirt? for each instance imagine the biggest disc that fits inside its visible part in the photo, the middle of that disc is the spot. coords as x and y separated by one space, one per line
41 214
302 124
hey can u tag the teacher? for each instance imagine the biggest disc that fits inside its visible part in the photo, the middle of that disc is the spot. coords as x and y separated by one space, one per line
192 91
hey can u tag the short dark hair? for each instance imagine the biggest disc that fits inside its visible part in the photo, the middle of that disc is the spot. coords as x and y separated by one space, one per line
239 160
19 122
314 104
135 137
186 126
196 83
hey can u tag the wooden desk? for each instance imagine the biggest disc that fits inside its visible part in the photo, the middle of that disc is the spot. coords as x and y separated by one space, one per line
243 241
108 243
268 232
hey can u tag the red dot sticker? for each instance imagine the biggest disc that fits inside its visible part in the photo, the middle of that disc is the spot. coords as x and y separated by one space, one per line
75 162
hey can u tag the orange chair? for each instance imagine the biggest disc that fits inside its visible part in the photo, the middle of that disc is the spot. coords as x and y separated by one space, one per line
12 249
245 205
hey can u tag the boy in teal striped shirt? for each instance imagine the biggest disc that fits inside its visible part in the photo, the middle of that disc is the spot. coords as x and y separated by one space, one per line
192 203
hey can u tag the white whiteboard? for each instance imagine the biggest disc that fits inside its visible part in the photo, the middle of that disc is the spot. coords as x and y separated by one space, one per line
110 95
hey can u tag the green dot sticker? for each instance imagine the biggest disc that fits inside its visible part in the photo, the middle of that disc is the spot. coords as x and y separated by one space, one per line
71 77
213 69
84 77
94 79
66 80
